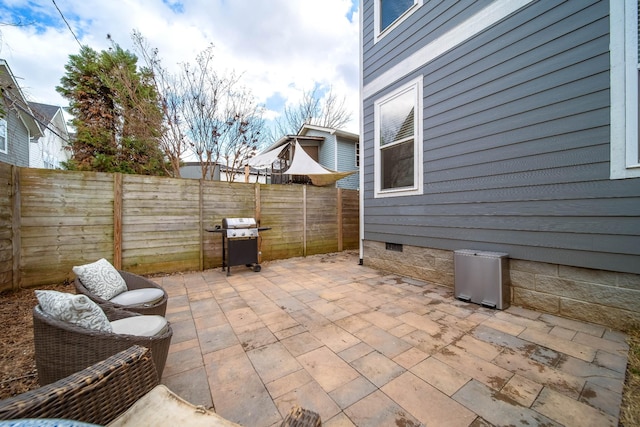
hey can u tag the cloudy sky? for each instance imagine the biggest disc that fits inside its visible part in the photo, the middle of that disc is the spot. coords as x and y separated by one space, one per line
282 47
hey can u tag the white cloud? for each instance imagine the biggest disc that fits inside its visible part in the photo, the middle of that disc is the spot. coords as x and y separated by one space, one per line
281 46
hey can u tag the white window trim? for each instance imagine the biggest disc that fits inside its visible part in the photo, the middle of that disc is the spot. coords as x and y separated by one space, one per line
5 150
418 178
624 90
379 34
477 23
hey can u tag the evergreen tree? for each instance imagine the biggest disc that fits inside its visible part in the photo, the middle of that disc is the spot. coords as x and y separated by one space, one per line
116 113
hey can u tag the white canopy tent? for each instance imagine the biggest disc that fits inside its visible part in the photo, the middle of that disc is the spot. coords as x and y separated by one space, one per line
302 164
265 160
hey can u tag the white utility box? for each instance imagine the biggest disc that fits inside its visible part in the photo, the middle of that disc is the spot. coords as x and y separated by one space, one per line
482 278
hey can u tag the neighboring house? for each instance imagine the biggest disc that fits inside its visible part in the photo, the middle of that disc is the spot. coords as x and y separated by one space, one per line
506 126
19 131
334 149
193 170
49 151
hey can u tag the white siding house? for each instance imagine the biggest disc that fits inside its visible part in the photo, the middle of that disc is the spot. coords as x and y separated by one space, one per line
49 152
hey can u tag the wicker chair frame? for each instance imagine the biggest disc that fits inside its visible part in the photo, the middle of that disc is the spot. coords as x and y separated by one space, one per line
62 348
105 390
133 281
97 394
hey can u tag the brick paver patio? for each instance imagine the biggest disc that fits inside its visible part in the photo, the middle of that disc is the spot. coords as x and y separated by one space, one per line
366 348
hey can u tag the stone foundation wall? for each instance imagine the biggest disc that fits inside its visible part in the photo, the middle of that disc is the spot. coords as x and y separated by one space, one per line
431 265
603 297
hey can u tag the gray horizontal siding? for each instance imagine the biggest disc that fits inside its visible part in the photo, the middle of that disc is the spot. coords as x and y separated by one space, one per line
570 208
17 141
326 149
516 140
347 162
431 21
616 244
587 225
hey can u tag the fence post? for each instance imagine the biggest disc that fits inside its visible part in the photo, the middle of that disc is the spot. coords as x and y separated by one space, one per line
15 226
201 221
258 202
339 211
117 220
304 220
258 213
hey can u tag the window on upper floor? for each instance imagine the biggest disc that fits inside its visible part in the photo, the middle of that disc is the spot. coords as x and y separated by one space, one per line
389 13
3 136
398 142
357 146
49 160
624 146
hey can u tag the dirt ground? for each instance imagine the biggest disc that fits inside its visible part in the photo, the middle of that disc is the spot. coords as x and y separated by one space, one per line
17 363
18 370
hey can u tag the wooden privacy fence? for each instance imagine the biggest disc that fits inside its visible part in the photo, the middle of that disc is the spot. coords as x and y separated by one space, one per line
52 220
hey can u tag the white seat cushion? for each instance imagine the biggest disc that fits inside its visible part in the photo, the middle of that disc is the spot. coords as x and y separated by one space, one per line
146 296
161 407
141 326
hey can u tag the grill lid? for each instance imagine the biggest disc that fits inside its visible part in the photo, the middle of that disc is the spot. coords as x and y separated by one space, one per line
228 223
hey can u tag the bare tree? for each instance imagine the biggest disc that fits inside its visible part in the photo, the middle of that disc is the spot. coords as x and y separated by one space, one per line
224 121
327 111
203 93
173 140
242 139
205 112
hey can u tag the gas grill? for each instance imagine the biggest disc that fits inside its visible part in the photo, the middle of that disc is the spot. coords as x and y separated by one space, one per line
240 243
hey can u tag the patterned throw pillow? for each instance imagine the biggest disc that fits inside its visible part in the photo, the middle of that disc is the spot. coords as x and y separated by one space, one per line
76 309
101 278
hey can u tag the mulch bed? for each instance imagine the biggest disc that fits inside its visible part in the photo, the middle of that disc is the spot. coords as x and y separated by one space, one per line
17 362
630 414
18 369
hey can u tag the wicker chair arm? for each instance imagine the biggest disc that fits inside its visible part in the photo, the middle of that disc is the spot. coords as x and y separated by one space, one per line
133 282
62 348
97 394
115 313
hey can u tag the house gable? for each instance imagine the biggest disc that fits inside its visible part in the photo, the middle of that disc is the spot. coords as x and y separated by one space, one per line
336 152
335 148
49 150
21 128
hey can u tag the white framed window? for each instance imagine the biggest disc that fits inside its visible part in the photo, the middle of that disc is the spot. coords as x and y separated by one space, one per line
388 14
49 160
3 136
398 142
625 153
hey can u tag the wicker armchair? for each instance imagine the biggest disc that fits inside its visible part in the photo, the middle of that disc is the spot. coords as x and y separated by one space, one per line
133 281
123 391
97 394
63 348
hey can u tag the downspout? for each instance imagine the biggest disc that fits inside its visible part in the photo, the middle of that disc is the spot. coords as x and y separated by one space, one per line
361 142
